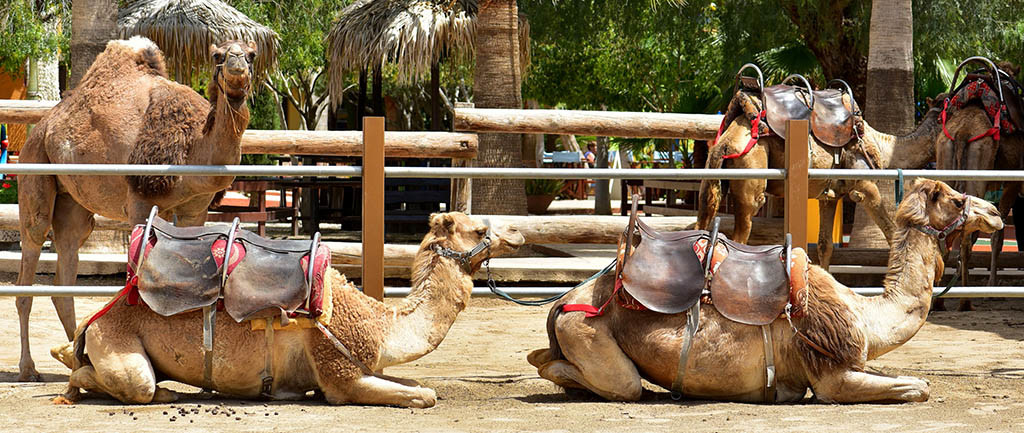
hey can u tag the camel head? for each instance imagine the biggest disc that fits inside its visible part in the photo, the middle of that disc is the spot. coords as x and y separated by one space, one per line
455 233
935 205
233 70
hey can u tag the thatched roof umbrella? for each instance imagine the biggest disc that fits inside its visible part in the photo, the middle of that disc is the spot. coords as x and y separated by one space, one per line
415 35
185 29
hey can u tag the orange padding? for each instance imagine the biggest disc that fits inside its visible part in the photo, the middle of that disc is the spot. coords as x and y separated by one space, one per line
798 282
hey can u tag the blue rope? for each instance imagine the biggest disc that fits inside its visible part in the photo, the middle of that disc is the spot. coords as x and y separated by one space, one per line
501 294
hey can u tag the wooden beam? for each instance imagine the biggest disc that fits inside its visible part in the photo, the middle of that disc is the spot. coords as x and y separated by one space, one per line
373 207
600 123
403 144
796 182
26 112
605 229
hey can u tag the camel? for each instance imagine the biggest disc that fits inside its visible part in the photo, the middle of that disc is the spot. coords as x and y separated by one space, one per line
610 354
982 154
130 348
914 150
125 110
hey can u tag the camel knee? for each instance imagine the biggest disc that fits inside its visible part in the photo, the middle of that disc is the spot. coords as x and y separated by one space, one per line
65 353
539 357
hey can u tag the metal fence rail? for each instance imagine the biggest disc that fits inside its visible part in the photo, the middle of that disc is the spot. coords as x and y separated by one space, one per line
106 291
506 173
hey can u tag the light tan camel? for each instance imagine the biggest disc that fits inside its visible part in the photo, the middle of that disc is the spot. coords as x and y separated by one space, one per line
130 347
610 354
982 154
911 151
125 110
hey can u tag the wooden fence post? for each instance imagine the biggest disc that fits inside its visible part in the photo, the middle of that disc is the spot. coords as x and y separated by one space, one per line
373 207
795 221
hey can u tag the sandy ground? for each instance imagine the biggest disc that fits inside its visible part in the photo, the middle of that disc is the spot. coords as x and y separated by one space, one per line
973 360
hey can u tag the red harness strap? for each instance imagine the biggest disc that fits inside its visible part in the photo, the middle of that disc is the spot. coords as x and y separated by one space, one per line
590 310
993 131
942 119
754 135
130 287
721 128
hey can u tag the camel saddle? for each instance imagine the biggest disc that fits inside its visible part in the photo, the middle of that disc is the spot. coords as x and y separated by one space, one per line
669 272
834 121
183 269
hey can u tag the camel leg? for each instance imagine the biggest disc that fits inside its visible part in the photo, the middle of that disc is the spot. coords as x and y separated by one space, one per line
378 391
36 198
120 368
593 360
827 218
749 197
860 387
72 225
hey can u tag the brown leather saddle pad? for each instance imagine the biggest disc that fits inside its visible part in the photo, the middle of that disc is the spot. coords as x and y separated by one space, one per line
183 266
832 119
665 272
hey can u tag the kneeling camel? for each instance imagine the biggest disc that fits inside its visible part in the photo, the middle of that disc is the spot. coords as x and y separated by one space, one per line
131 348
609 354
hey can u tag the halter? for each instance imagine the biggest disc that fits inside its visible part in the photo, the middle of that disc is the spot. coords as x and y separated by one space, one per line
464 257
941 235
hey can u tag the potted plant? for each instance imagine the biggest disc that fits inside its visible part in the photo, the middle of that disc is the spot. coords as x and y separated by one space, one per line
540 193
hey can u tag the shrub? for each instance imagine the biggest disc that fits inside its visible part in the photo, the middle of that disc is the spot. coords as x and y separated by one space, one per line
543 186
8 191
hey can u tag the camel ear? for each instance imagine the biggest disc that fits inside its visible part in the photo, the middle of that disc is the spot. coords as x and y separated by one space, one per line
213 50
929 101
914 208
252 45
442 221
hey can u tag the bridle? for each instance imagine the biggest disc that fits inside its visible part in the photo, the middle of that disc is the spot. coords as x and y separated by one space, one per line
465 257
944 233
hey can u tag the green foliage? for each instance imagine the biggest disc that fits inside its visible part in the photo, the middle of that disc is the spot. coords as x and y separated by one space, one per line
24 31
543 186
8 191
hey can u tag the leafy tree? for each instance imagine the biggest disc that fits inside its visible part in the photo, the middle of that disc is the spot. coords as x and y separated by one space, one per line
23 26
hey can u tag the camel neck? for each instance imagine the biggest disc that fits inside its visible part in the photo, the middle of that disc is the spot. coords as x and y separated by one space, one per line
896 316
439 293
220 143
911 151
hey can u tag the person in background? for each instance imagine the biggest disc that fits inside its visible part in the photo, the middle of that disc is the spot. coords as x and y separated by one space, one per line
590 157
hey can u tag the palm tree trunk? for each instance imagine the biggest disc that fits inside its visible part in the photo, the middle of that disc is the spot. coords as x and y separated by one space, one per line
93 23
889 106
497 85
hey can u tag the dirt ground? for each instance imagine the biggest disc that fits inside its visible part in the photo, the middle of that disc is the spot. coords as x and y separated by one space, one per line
973 360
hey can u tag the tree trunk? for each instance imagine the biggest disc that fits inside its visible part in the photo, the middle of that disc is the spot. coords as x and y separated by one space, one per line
602 203
889 106
497 85
93 23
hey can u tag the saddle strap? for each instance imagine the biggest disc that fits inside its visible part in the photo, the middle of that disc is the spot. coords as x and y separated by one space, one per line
769 364
267 378
755 133
628 244
344 350
209 316
692 323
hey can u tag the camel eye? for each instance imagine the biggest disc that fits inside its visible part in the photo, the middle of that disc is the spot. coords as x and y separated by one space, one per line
481 232
251 56
218 57
959 203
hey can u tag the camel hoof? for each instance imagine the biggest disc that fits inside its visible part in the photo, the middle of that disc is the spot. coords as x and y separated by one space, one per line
428 399
539 357
30 375
965 305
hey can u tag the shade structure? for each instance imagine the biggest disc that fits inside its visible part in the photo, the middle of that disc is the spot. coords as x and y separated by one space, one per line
185 29
411 34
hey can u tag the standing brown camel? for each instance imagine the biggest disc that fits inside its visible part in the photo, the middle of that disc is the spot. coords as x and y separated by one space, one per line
914 150
125 110
130 348
609 354
971 145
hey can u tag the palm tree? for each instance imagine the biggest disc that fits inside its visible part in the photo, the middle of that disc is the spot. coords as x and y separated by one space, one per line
496 84
93 23
890 92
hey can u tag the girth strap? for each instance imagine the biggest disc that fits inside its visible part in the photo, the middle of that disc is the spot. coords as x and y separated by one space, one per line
344 350
209 320
769 364
692 323
267 377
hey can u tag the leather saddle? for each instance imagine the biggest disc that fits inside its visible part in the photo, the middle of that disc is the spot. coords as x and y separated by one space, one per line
184 269
835 119
670 272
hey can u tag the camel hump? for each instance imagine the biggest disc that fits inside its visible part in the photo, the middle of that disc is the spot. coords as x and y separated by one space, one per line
171 125
143 52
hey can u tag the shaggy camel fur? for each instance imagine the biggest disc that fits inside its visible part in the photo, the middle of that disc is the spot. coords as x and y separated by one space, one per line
911 151
610 354
125 110
983 154
131 348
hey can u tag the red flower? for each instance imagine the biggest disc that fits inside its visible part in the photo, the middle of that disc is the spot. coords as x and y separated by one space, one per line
6 185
